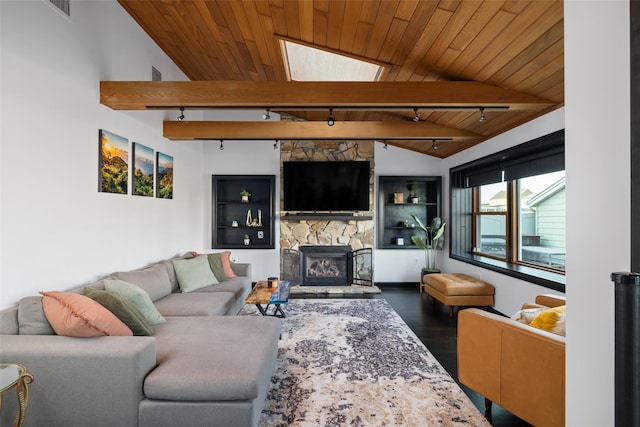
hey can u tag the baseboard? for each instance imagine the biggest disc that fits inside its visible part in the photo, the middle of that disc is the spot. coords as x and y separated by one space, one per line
397 284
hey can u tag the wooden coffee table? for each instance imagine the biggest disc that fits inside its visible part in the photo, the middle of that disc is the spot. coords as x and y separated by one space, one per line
263 297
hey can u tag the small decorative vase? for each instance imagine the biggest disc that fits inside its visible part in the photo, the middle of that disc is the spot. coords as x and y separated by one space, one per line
245 199
247 241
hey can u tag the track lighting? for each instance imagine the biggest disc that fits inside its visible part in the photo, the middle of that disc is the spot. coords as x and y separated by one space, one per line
221 145
331 120
386 146
482 116
275 145
416 117
181 116
434 144
266 115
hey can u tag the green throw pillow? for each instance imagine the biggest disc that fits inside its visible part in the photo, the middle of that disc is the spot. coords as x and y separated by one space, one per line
215 262
137 296
194 273
123 309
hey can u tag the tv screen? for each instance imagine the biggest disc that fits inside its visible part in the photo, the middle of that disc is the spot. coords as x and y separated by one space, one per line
326 186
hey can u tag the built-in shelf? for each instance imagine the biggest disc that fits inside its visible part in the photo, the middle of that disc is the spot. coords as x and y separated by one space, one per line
395 213
330 217
230 215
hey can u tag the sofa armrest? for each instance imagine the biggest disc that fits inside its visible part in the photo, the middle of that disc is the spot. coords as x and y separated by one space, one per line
514 365
242 269
550 300
80 381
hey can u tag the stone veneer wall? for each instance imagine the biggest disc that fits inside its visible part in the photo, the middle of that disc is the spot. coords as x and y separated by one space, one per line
357 234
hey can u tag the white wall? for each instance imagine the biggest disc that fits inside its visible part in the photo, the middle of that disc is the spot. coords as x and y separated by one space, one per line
243 158
597 103
57 231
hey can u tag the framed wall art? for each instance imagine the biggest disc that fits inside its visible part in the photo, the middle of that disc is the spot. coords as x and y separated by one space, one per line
164 176
114 163
143 167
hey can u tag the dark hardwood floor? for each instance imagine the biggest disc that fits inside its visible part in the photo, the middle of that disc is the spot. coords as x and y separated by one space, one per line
432 324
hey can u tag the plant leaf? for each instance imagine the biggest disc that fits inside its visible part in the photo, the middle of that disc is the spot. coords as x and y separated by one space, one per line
417 240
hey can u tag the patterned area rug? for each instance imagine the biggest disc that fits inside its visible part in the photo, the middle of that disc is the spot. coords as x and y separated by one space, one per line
356 363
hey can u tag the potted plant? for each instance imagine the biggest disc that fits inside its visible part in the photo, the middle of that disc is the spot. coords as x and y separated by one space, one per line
431 242
413 195
245 196
246 240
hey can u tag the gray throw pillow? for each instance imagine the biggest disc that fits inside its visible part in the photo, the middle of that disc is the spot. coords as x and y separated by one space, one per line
31 317
123 309
139 297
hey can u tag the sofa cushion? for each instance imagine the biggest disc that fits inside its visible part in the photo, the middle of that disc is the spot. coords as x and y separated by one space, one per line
154 280
138 296
197 304
215 262
228 359
194 273
31 317
76 315
123 309
240 286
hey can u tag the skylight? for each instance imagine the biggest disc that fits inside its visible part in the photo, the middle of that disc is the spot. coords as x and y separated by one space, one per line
310 64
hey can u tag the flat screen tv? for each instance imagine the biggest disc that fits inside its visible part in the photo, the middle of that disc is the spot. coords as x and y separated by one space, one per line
326 186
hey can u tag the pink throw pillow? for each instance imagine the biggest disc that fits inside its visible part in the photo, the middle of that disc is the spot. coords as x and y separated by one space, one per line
76 315
226 264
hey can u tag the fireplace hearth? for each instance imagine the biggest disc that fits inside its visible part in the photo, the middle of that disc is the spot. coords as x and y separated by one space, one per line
327 266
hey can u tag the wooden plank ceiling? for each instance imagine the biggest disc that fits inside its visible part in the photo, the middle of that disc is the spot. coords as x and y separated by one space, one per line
512 45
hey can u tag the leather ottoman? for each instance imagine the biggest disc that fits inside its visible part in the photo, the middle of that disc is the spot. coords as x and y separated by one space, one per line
457 290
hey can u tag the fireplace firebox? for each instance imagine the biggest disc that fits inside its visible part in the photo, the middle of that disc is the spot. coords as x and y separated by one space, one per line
327 266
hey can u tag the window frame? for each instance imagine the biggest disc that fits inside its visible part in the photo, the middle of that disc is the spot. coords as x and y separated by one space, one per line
541 154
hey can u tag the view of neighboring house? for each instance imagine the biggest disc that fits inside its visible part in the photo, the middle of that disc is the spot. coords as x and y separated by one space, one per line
542 224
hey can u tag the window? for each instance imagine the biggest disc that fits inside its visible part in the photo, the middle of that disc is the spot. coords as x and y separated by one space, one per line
508 211
307 63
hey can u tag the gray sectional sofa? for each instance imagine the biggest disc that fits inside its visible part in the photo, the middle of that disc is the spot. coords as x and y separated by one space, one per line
204 366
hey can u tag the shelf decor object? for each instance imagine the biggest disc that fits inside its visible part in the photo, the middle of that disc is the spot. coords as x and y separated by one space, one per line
228 228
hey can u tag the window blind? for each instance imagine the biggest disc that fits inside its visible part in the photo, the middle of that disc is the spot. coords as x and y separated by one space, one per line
536 157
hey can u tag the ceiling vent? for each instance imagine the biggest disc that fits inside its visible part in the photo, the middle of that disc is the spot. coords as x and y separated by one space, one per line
63 5
156 75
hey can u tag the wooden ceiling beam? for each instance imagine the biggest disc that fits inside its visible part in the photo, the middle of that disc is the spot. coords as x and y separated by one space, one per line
277 95
347 130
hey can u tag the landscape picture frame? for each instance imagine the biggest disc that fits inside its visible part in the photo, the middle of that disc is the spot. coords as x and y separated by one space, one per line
113 161
164 175
143 170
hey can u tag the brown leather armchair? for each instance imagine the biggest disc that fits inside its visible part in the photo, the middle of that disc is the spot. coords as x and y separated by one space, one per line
519 367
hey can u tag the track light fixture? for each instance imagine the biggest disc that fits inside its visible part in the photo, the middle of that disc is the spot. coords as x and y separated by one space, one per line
181 116
482 116
266 115
386 146
331 120
275 145
434 144
221 145
416 117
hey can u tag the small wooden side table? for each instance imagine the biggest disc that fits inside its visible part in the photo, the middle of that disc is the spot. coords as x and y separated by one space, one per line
16 376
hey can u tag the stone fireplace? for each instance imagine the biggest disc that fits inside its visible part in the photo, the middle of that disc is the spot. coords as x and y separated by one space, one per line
327 229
